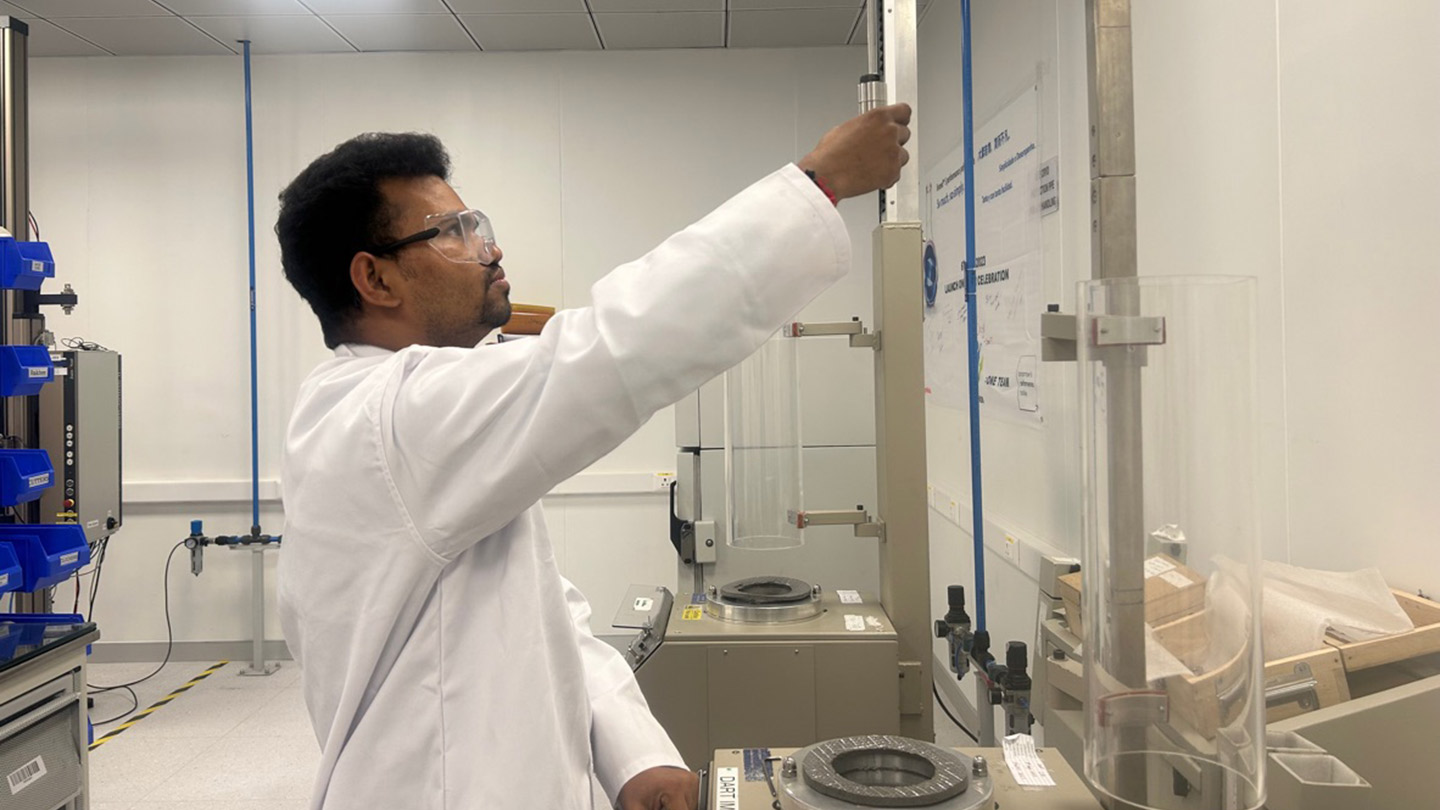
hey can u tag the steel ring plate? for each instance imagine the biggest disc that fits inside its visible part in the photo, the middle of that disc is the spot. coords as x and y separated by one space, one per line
918 774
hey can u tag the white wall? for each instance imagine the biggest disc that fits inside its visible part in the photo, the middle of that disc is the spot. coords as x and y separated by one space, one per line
1290 141
583 161
1360 157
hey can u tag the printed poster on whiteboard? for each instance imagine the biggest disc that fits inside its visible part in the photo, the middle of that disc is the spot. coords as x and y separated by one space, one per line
1009 260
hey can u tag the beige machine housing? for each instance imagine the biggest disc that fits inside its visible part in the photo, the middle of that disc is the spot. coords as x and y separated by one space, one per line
718 684
1069 793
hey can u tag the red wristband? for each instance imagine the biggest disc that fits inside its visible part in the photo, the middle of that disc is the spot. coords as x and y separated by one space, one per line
823 186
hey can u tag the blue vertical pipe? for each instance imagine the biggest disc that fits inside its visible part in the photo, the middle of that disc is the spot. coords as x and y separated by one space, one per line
972 321
254 374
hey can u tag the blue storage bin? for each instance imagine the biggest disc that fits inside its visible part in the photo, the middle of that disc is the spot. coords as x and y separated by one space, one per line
11 576
24 370
24 475
9 640
48 553
24 265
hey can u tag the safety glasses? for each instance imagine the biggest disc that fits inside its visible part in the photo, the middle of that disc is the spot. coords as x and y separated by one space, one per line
460 236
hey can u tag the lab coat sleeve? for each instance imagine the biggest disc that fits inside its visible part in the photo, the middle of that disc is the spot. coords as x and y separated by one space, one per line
473 437
624 736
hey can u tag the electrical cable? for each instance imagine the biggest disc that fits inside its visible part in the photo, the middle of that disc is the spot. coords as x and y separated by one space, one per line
81 344
941 703
169 634
34 224
134 705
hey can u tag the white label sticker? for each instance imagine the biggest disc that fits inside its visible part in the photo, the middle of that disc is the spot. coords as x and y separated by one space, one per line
849 597
1025 764
1047 186
4 580
39 372
70 559
1155 566
37 266
727 789
874 623
853 623
1177 579
26 775
643 604
41 480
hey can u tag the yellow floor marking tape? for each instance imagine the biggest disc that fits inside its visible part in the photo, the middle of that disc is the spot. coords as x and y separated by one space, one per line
138 716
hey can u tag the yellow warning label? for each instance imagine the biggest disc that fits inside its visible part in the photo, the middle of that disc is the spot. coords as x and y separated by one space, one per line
691 613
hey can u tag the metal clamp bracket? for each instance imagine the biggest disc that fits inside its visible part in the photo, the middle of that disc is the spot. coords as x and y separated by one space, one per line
860 337
1127 330
1299 687
865 526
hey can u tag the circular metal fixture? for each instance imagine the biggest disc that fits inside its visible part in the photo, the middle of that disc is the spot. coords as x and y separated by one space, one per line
764 600
883 771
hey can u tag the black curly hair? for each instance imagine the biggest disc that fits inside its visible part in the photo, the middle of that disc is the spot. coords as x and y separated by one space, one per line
335 209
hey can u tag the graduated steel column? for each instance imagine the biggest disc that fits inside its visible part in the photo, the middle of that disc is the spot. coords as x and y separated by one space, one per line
1114 255
900 386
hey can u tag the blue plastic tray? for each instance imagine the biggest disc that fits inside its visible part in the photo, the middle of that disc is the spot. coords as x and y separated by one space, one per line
24 370
24 475
48 553
11 576
24 265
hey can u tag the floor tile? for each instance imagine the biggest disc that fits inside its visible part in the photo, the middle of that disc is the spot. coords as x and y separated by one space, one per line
283 716
126 770
254 768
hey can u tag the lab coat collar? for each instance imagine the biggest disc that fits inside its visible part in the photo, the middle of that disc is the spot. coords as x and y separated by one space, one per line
360 350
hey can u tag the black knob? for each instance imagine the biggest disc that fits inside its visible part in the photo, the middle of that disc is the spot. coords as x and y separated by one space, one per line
941 628
956 594
1016 656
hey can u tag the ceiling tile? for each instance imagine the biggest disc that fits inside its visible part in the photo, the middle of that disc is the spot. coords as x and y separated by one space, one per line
327 7
402 32
276 34
58 9
794 28
236 8
750 5
145 36
463 7
675 29
48 40
532 32
657 5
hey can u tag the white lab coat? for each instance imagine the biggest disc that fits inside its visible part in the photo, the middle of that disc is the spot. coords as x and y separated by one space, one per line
447 664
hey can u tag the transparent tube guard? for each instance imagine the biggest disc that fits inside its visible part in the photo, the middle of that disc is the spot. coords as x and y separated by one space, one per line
762 448
1176 710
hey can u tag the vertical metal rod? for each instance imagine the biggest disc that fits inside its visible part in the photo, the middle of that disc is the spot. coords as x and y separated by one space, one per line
977 499
20 415
985 711
1114 255
257 611
254 364
257 552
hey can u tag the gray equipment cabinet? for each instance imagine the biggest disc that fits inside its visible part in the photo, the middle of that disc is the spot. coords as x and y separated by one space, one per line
44 730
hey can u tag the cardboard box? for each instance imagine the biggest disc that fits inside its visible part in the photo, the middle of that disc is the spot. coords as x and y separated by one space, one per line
1172 591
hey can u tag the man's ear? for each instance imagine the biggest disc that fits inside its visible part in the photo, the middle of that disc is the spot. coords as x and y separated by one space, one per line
374 280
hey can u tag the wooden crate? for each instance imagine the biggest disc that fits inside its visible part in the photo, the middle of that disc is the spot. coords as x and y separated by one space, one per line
1165 600
1423 640
1195 701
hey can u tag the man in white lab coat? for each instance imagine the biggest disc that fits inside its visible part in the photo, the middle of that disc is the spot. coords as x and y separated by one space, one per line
447 664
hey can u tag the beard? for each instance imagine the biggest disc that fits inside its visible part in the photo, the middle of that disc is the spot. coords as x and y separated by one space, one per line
495 312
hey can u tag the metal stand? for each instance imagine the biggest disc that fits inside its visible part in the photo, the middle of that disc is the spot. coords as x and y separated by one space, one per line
258 666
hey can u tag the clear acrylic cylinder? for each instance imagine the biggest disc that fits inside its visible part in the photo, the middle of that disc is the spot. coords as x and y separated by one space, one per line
1175 716
762 448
